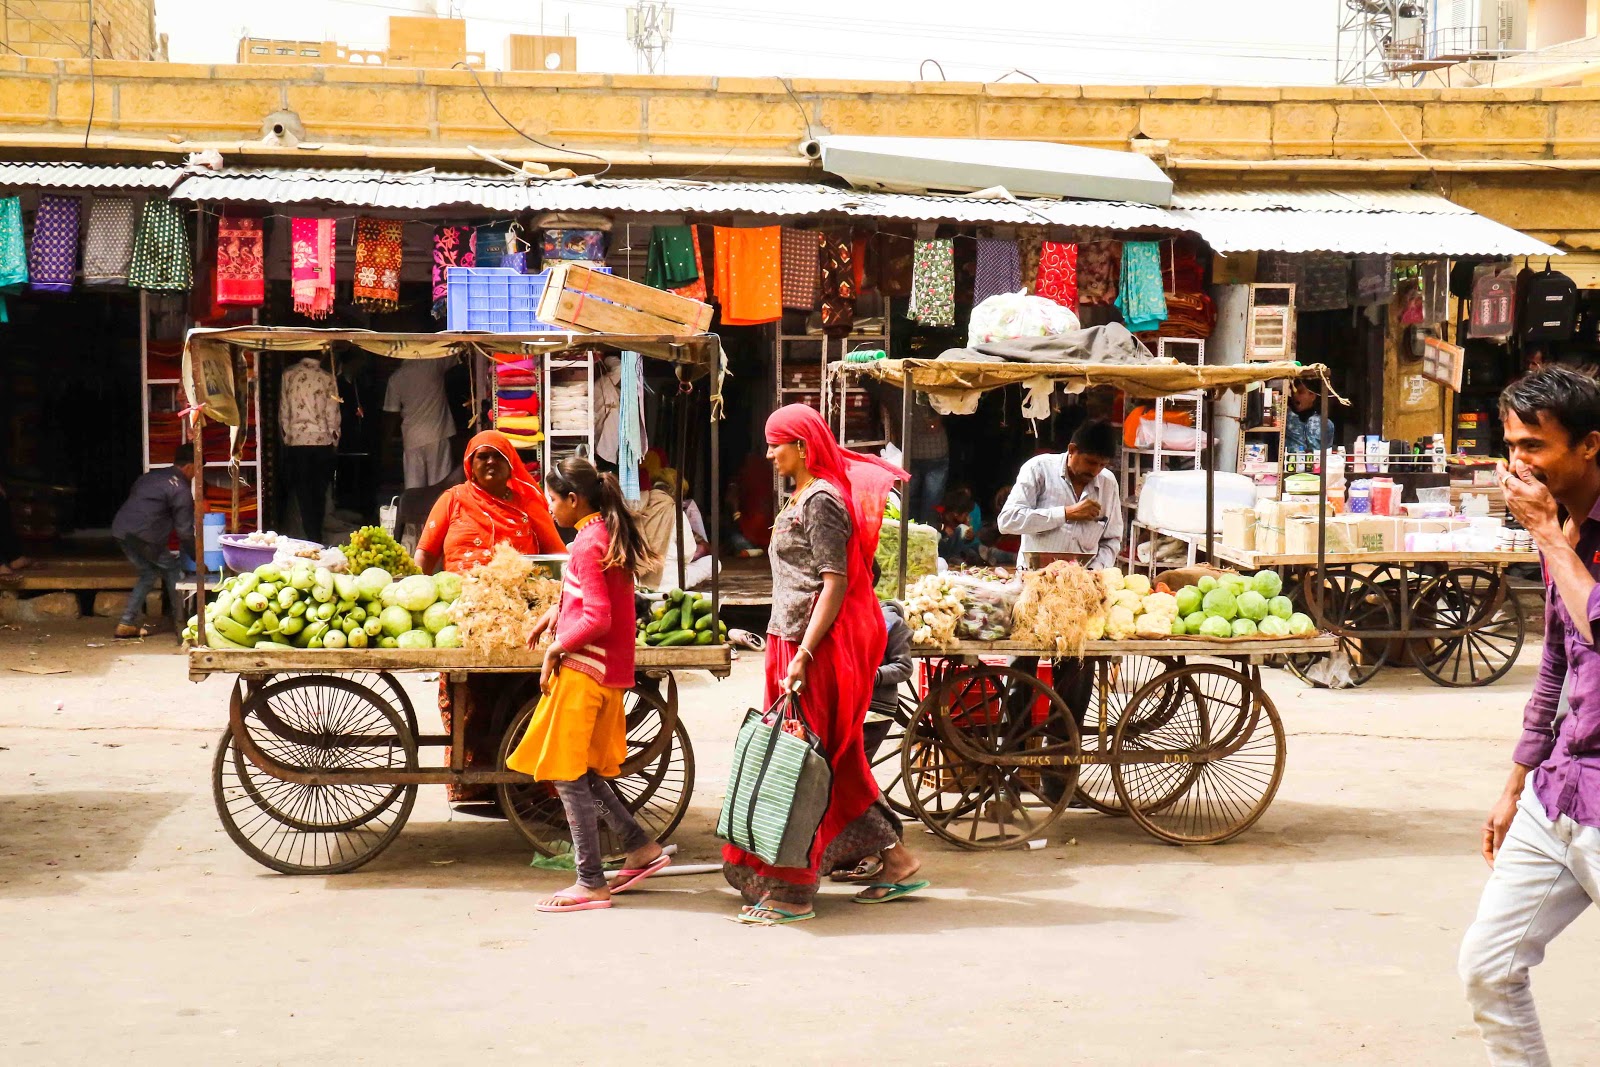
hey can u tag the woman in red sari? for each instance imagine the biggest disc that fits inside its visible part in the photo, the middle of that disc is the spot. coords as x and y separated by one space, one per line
498 502
825 642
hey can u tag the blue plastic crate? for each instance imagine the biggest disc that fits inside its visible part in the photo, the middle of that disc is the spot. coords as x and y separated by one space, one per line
495 300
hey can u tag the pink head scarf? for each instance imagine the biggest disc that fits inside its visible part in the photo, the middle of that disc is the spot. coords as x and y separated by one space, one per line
863 481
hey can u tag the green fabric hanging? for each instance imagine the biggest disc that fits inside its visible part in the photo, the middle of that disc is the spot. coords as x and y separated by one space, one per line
161 249
671 263
13 252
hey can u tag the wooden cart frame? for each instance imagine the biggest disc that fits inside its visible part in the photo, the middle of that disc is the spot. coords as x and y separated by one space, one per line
318 768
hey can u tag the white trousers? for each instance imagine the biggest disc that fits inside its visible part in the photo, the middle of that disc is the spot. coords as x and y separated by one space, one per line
428 465
1545 875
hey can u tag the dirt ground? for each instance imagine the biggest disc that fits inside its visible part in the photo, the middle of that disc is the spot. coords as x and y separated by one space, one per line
135 931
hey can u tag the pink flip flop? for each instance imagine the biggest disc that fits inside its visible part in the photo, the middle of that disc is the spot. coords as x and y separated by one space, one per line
576 905
630 877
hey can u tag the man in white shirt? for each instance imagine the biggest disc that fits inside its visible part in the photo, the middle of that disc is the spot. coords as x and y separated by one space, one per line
308 419
416 394
1068 506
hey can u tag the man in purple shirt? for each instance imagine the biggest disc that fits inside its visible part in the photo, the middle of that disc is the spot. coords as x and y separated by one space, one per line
1542 839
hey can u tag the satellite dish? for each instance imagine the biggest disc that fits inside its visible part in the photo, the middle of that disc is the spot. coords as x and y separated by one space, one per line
552 61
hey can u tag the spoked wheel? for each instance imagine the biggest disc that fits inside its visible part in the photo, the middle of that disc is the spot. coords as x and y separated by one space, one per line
886 763
382 684
998 711
1352 603
315 723
1212 768
657 793
1122 679
1486 607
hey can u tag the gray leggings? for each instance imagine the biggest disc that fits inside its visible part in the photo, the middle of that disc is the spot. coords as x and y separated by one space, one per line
587 800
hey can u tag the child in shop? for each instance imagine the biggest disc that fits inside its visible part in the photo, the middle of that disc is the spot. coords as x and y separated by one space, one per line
958 541
577 738
998 549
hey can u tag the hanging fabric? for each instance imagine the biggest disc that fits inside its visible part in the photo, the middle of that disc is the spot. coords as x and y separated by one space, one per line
1324 282
892 254
1058 273
108 243
802 269
672 261
161 249
695 290
1030 246
1141 295
838 284
453 246
491 242
311 267
241 267
933 283
1099 272
378 255
516 253
13 252
748 274
999 269
1372 279
53 256
631 445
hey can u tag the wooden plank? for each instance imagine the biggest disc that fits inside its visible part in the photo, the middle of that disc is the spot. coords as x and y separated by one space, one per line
716 659
576 297
1152 646
574 310
646 298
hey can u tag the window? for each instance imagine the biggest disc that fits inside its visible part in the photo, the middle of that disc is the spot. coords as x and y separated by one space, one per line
285 51
259 49
312 52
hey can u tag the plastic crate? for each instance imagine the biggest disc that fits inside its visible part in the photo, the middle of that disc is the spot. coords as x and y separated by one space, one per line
495 300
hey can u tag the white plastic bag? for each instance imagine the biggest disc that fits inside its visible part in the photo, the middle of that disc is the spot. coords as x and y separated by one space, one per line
1007 316
1174 436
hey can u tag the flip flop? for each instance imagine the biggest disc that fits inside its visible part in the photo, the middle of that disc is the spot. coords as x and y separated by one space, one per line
861 874
630 877
748 918
896 891
576 905
747 639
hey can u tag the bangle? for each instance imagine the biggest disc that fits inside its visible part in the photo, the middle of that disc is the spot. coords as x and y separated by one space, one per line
803 650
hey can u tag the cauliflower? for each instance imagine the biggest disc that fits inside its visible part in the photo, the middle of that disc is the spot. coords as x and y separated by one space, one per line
1138 583
1126 598
1111 579
1119 623
1161 604
1152 625
1096 628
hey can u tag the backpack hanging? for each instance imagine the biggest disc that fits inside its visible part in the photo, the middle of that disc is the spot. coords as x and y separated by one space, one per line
1551 304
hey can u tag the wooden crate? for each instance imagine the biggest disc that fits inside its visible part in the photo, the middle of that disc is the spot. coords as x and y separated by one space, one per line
579 298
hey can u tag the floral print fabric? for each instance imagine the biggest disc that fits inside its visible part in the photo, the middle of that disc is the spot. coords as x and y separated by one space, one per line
241 270
839 290
1099 271
453 246
933 283
378 254
1058 273
311 267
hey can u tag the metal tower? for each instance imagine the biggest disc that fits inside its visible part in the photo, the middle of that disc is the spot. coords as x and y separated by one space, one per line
650 31
1373 39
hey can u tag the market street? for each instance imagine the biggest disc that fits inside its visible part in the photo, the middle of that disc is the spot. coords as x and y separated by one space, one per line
136 931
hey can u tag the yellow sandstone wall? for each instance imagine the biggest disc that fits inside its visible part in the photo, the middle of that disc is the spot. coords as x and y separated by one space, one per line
59 29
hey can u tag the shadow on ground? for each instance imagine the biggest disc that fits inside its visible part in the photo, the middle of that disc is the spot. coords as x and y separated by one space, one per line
49 841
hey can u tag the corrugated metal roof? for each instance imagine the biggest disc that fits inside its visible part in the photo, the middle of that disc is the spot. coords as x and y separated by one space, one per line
1392 232
85 176
1316 198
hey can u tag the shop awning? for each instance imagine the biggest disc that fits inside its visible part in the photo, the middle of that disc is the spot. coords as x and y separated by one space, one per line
956 379
1401 222
86 176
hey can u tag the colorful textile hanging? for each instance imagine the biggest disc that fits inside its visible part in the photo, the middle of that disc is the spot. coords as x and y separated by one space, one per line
311 267
695 290
1325 282
999 269
241 268
453 246
13 252
673 260
1099 268
378 253
1030 244
1141 296
747 266
802 274
891 249
108 245
630 443
53 256
933 283
838 284
161 249
1058 273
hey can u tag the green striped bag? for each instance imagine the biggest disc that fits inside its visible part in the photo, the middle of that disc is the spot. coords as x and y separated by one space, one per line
778 787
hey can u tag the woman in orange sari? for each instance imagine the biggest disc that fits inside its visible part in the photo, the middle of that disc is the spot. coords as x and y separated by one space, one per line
499 502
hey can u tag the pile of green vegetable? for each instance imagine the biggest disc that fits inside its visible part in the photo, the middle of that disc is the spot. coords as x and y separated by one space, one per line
311 607
372 546
1238 606
681 618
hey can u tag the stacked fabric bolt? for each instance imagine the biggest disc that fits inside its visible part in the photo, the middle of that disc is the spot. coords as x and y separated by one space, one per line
567 407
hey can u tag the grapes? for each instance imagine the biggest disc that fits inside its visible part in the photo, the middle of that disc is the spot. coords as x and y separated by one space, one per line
371 546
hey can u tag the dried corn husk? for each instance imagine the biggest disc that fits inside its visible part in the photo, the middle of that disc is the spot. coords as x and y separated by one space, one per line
1062 607
500 601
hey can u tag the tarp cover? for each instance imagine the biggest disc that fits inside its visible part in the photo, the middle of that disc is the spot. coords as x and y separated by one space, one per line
956 379
1111 343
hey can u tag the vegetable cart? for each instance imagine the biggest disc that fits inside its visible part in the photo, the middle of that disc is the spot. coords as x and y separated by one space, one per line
1178 733
318 768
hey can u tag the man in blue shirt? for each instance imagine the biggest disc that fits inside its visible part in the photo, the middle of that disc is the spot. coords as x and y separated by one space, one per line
160 504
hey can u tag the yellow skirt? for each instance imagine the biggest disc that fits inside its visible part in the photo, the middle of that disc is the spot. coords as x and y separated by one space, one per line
578 726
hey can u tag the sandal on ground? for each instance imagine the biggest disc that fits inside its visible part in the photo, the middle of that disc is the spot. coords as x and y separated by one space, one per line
125 631
746 639
630 877
574 904
861 873
767 915
896 890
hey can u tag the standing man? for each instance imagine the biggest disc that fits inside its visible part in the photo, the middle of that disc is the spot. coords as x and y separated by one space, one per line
308 417
1066 506
1542 838
416 395
160 504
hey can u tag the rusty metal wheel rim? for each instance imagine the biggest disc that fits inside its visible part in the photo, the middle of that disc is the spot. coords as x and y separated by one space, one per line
1127 676
1480 602
1351 602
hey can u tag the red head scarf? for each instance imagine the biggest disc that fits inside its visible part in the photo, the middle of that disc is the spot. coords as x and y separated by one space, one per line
524 490
863 481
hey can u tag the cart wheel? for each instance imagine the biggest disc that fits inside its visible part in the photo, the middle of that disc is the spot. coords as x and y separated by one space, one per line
1212 768
1485 605
973 804
886 761
657 794
382 684
1352 603
1123 678
315 723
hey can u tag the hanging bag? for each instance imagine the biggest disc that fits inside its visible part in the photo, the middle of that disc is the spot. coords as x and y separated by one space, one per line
778 787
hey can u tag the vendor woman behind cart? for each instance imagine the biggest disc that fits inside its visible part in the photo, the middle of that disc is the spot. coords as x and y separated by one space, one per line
498 502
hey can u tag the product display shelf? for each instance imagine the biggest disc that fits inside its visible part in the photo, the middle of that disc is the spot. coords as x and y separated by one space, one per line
1138 462
563 438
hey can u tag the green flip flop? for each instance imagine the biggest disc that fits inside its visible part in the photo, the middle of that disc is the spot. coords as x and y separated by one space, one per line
896 891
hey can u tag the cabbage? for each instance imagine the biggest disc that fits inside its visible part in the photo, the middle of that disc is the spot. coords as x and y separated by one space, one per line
1300 624
387 594
1178 627
1137 583
448 584
1281 606
1244 628
415 638
1273 626
1206 583
346 587
1193 621
436 618
1252 605
416 593
1267 583
371 582
395 621
1233 583
1216 626
1188 600
1220 603
449 637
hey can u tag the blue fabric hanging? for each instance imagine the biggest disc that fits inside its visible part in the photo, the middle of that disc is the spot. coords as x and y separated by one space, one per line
1141 296
630 449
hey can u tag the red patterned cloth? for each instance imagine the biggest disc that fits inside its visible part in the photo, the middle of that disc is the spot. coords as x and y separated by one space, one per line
377 281
1058 273
311 267
838 284
801 269
241 273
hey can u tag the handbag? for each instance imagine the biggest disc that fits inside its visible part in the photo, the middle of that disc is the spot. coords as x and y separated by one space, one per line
778 788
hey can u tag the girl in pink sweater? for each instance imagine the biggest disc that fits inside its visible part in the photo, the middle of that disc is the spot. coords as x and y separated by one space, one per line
577 737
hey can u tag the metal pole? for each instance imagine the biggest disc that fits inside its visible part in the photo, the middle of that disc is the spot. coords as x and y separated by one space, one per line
715 532
682 404
198 422
1322 509
1211 483
907 393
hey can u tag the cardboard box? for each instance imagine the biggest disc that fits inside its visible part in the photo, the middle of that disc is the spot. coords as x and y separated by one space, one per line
1301 536
579 298
1239 529
1379 534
